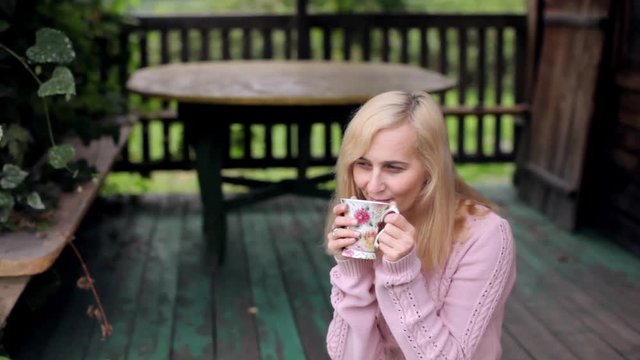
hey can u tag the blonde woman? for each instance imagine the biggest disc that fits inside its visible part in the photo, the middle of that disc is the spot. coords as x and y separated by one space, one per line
445 264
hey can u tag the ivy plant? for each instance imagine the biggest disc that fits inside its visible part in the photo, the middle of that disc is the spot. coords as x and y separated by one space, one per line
52 48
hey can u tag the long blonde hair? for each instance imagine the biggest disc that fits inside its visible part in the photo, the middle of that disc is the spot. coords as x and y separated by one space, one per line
445 200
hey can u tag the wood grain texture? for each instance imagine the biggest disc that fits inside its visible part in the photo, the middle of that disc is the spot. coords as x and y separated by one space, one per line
576 295
563 107
281 82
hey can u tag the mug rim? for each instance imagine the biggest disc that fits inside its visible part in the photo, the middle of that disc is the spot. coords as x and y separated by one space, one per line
365 201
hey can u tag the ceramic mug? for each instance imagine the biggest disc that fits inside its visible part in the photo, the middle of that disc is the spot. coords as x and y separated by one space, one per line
370 216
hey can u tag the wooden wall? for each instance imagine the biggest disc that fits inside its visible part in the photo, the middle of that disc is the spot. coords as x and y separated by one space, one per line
551 166
580 162
614 175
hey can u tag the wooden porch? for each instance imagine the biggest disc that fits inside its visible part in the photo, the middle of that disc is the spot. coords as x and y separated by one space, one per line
576 296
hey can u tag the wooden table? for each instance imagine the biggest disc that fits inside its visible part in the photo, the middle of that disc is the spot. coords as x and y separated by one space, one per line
211 93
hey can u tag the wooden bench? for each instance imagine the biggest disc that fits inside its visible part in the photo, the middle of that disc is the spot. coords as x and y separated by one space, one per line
23 253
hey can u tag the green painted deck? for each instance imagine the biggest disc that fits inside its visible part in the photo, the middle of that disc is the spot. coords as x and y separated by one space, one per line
577 295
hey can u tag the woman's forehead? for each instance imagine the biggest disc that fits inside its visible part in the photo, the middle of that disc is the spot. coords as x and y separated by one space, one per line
393 143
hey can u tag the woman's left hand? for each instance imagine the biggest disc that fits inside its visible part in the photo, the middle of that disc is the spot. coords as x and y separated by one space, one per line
398 237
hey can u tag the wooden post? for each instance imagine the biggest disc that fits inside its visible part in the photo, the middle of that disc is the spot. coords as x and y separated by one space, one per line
552 166
302 27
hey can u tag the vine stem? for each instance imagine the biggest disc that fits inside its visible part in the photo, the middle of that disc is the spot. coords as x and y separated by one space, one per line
44 101
103 315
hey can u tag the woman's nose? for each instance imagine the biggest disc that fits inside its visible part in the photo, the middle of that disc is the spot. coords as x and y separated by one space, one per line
375 184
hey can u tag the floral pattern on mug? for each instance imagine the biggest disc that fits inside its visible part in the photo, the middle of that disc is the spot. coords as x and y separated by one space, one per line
363 216
369 216
369 238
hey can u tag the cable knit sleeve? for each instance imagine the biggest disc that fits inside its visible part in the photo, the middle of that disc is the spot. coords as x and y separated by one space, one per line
481 278
353 332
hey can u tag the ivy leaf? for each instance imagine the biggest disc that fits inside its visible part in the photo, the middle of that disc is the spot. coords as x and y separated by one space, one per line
15 133
4 25
12 176
6 205
1 133
33 199
17 139
61 155
61 83
52 46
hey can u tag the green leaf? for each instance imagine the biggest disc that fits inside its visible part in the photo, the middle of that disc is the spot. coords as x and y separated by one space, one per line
52 46
33 199
4 26
60 155
17 139
12 176
61 83
1 133
6 205
16 133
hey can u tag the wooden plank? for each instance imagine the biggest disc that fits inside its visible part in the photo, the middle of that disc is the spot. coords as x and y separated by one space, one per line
511 348
562 318
11 288
307 296
26 253
604 273
23 253
152 328
193 330
73 326
533 336
563 107
277 332
236 334
122 266
615 267
311 215
605 302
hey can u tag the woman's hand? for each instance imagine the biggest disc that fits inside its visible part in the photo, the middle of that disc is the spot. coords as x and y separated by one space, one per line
398 237
341 237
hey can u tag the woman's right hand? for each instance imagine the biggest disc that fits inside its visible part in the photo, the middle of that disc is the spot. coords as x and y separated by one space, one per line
341 236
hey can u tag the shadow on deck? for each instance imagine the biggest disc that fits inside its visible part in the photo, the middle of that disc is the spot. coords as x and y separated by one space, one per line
576 296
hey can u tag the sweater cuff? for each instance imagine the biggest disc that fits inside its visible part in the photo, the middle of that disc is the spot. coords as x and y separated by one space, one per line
354 267
402 270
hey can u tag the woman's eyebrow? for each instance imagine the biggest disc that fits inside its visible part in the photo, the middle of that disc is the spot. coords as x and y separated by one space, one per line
395 162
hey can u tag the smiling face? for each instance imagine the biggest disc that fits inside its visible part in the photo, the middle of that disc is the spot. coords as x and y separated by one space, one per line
391 170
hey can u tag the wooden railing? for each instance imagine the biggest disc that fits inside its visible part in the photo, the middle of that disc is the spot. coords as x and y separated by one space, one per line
485 54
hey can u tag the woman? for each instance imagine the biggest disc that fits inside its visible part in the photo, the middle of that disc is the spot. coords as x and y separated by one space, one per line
445 264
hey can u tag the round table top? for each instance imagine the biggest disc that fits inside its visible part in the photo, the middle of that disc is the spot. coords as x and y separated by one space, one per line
271 82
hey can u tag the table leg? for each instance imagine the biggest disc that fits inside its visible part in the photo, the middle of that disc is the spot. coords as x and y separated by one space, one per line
208 144
304 150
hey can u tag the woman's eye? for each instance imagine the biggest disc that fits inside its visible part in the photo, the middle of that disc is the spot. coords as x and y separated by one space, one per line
362 164
395 168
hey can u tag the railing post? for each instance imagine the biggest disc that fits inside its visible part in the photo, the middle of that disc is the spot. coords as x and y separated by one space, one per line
302 27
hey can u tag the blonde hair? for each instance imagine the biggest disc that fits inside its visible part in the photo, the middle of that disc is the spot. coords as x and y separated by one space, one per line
445 200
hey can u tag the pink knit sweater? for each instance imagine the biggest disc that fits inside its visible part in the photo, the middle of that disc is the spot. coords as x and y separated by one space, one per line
394 310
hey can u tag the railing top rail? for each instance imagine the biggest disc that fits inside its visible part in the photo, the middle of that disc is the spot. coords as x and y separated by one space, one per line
204 21
395 19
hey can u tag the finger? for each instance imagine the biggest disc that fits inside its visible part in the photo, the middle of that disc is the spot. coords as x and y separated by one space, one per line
336 246
389 252
399 221
340 209
343 221
339 233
